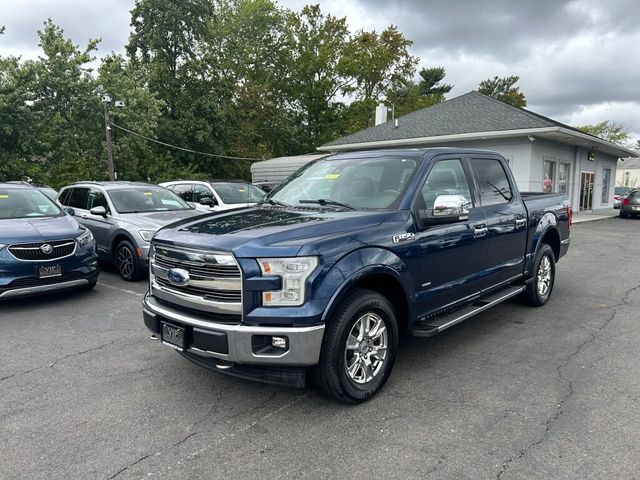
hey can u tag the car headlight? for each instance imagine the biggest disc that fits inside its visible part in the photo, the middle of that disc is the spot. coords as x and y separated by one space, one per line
147 235
85 238
294 273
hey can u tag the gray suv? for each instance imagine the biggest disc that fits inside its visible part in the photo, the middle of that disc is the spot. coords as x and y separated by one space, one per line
123 216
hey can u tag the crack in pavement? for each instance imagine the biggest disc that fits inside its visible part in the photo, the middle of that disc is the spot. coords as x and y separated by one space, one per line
64 357
568 384
144 457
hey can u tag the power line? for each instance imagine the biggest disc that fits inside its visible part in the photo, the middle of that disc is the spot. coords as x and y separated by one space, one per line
182 148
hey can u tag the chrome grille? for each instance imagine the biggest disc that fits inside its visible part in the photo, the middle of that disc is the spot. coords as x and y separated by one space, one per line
43 250
214 279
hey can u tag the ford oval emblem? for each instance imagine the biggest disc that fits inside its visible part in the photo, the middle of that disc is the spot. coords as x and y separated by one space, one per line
178 276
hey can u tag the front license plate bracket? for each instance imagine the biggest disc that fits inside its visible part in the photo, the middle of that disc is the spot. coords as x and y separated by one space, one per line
173 336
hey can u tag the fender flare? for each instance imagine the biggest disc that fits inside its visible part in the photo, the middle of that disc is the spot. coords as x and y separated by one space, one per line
546 223
353 271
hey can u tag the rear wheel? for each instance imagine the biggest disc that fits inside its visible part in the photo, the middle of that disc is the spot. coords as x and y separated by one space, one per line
539 290
127 262
624 214
358 349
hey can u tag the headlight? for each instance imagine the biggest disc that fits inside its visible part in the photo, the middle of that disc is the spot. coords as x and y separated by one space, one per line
294 273
147 234
85 238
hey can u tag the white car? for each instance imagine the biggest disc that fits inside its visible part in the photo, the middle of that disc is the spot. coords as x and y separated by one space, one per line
216 195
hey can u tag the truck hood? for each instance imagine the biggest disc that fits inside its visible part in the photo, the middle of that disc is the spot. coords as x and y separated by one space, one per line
265 231
32 230
156 220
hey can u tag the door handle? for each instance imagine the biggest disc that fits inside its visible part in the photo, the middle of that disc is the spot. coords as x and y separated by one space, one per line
480 231
521 222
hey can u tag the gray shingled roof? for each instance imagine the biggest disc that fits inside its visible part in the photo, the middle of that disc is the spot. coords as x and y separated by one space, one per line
468 113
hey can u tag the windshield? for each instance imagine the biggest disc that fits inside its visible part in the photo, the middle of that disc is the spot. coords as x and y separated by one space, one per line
231 192
26 203
362 183
146 199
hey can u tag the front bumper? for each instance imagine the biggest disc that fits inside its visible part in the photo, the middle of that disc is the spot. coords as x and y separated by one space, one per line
232 344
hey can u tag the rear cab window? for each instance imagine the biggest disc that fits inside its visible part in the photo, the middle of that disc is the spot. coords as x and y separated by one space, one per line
493 182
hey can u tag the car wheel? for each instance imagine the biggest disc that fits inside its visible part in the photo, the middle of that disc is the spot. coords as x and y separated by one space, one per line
91 285
126 261
624 214
539 290
358 349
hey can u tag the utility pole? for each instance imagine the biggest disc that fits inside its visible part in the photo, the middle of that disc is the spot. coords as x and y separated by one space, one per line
106 100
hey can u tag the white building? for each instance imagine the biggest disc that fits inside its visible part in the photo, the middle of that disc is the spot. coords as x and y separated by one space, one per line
544 155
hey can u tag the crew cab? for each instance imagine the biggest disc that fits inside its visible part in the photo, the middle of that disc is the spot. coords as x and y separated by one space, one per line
352 252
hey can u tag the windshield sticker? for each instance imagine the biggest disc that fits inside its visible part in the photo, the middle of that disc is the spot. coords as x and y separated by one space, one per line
331 176
241 190
2 195
148 193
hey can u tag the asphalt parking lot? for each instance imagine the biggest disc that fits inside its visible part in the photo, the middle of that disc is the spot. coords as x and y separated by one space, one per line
516 392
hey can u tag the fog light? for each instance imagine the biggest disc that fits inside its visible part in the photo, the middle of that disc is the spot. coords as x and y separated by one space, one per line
279 342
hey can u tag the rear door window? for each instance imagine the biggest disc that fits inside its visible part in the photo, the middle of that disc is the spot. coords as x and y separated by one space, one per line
184 191
492 181
78 198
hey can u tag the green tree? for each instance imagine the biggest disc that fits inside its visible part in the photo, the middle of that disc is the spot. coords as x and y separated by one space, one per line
608 130
504 89
428 91
64 137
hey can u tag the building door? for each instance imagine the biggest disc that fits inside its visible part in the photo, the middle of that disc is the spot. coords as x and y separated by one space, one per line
587 180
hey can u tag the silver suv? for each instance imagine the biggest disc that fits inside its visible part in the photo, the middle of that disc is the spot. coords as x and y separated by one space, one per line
123 216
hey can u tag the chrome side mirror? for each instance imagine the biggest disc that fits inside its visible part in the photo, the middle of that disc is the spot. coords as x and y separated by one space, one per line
450 205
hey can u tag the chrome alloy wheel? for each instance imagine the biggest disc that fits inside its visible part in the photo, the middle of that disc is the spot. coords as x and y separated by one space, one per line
366 348
125 261
544 276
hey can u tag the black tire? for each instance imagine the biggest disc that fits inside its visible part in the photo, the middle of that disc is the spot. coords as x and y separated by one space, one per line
330 376
623 214
535 295
91 285
126 261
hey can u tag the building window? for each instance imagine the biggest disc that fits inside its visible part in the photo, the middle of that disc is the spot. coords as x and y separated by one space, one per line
606 179
564 178
549 177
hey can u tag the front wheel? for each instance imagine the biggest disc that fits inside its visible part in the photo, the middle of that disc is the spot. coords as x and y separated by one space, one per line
539 290
358 349
126 261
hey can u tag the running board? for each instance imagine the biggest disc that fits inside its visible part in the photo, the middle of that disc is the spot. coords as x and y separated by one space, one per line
432 326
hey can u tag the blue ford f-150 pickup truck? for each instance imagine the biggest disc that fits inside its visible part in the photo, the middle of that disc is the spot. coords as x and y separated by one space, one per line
353 251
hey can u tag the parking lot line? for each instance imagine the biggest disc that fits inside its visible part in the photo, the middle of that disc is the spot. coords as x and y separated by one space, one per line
124 290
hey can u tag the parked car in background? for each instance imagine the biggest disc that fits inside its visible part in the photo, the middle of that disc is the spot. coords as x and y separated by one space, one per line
123 217
216 195
46 189
42 247
619 194
630 205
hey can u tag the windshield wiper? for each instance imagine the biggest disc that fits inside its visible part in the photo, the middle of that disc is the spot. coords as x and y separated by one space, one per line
270 201
324 202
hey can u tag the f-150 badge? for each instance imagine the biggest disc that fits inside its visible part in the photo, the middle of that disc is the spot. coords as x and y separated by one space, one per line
403 237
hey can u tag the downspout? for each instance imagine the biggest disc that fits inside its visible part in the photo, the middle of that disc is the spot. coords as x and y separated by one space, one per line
576 189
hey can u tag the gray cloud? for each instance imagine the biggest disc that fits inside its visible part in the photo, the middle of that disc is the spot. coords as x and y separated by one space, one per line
578 60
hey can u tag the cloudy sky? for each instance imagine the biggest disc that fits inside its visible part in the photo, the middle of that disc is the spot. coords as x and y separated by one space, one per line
578 61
